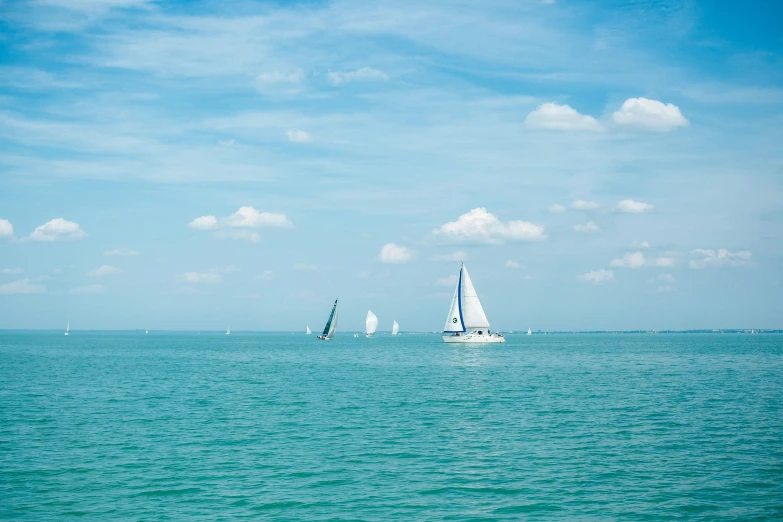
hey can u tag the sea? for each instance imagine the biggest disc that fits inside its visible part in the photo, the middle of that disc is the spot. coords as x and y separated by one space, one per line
281 426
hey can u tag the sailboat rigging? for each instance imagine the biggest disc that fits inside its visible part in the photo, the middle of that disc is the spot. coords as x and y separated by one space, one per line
467 322
331 324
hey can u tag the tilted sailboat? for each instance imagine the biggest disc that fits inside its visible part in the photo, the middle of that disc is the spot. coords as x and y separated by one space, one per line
68 328
466 322
395 328
308 332
370 324
331 324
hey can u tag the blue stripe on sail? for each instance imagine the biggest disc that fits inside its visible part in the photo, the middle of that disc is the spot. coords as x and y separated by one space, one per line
459 298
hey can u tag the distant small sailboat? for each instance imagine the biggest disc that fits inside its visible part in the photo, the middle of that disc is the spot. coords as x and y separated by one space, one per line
467 322
395 328
529 332
308 332
228 331
370 324
356 335
68 328
146 332
331 324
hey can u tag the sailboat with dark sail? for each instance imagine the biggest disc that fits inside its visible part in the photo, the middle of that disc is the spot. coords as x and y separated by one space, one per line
331 324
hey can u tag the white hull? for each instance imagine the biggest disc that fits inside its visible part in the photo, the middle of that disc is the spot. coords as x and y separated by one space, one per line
473 338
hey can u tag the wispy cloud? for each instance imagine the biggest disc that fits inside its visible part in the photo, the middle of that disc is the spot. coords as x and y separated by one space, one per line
708 258
512 264
630 206
104 270
637 260
209 278
598 277
298 136
11 271
22 286
581 204
125 252
551 116
587 228
89 289
363 74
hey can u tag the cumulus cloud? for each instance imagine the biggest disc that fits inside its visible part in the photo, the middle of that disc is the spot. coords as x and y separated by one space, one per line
557 209
125 252
630 206
104 270
640 244
22 286
298 136
395 254
447 281
6 228
365 73
90 289
57 229
587 228
598 277
512 264
456 257
721 258
480 226
651 115
238 224
636 260
304 267
11 271
581 204
552 116
209 278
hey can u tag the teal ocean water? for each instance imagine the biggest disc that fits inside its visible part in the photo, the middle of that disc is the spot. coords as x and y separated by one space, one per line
284 427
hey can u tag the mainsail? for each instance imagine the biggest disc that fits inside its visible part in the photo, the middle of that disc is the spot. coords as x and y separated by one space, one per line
466 311
395 328
308 330
331 324
371 323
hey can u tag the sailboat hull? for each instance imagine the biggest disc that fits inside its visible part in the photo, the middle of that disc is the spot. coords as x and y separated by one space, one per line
473 338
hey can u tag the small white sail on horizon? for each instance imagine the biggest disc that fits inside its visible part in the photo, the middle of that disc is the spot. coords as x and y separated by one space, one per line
68 328
331 324
467 322
308 331
146 332
228 331
395 328
370 324
529 332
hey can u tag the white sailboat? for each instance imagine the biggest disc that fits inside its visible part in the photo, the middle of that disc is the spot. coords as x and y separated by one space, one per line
228 331
529 332
308 332
68 328
467 322
395 328
370 324
146 332
331 324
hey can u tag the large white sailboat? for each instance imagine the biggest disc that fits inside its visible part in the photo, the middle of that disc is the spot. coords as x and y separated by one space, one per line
331 324
308 331
68 328
395 328
467 322
370 324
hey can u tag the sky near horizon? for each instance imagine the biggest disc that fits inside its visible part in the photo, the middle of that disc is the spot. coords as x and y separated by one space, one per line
194 165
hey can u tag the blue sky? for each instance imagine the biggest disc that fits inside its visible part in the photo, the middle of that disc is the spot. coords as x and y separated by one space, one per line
190 165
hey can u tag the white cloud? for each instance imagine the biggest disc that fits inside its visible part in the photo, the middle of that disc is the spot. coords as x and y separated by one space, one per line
11 271
204 223
23 286
557 209
478 225
121 252
598 277
103 271
666 278
365 73
561 117
304 267
90 289
637 260
298 136
587 228
391 253
57 229
266 275
649 115
235 226
447 281
278 78
640 244
720 258
512 264
630 206
209 278
581 204
6 228
455 257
